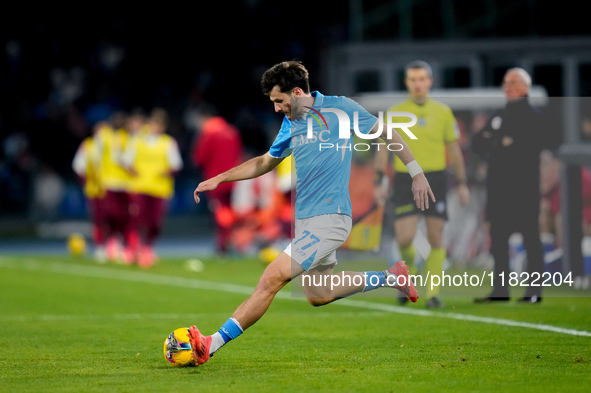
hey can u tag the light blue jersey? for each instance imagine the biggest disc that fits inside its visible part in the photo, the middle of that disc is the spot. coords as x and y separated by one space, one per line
323 162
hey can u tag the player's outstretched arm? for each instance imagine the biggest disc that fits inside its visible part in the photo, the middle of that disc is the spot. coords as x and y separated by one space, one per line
250 169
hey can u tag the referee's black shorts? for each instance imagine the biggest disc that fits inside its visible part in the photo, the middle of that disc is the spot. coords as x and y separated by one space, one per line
404 204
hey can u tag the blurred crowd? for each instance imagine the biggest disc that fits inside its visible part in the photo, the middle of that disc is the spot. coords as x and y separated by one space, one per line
60 74
40 134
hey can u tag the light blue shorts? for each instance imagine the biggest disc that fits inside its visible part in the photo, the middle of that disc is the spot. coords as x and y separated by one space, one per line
317 239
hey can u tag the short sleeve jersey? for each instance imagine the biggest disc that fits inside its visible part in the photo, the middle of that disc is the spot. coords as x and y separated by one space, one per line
436 126
322 162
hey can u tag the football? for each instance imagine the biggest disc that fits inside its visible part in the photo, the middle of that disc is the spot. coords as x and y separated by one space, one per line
76 244
268 254
177 348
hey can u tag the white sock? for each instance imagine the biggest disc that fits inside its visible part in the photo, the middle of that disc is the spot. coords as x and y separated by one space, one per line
216 343
391 279
229 331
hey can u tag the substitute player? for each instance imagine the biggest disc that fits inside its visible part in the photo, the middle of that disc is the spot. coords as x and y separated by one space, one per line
438 134
85 165
121 210
153 159
322 207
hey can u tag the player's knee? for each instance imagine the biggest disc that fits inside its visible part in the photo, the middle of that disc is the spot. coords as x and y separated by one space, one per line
269 284
271 281
435 242
405 242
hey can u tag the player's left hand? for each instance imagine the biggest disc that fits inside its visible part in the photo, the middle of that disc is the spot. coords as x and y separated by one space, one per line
207 185
422 191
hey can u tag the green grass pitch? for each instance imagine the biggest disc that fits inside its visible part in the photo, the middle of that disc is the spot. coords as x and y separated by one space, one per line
70 325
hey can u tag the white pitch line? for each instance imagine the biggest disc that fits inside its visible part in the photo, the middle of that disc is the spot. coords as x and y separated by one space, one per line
100 317
158 279
137 316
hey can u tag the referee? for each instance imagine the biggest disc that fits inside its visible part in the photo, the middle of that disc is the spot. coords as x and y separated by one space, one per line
437 132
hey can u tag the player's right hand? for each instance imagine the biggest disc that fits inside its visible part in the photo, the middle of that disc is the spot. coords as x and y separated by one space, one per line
422 191
206 185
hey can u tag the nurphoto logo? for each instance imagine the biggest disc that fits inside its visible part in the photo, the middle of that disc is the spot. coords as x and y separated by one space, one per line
345 128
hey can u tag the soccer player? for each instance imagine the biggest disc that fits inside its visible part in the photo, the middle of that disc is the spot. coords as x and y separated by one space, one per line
438 134
322 207
84 165
120 206
153 159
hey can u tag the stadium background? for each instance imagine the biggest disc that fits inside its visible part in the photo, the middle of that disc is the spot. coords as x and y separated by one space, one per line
63 70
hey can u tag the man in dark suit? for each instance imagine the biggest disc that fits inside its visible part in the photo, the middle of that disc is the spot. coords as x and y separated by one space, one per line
511 142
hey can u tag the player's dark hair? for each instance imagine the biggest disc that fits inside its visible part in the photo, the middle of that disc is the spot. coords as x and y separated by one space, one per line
159 115
287 75
137 111
418 65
